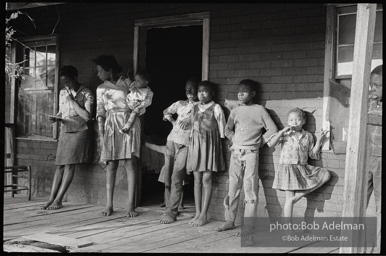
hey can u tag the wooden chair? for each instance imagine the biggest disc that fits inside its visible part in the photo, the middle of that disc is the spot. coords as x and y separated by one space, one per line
15 170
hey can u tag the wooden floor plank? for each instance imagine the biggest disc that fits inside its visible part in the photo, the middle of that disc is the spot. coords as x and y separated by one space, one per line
131 234
118 216
50 222
187 233
202 235
36 217
115 226
35 214
18 205
117 233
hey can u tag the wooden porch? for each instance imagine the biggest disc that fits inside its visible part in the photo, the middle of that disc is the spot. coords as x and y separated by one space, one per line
24 221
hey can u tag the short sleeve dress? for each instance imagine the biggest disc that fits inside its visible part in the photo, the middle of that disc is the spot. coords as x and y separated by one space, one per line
111 104
294 173
75 140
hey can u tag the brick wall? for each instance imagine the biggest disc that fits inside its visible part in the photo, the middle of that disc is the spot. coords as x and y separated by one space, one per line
279 45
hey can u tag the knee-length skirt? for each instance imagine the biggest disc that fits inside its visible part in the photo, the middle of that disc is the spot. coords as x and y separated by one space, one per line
205 152
298 177
74 148
116 145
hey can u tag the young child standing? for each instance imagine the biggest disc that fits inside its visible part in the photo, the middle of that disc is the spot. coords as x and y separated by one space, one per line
173 173
205 153
295 176
245 131
138 99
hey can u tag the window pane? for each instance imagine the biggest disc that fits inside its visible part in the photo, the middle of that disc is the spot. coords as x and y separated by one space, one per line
29 56
377 51
345 58
32 109
347 29
36 92
40 56
378 33
51 54
41 77
50 76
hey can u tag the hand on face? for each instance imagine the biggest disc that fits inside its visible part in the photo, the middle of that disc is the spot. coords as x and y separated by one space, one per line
295 121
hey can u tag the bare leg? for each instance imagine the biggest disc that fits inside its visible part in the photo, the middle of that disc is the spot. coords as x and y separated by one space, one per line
300 194
167 196
197 195
110 183
207 185
68 175
55 186
131 170
181 205
289 203
164 203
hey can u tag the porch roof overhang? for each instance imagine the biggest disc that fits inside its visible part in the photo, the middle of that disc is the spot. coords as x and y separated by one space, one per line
12 6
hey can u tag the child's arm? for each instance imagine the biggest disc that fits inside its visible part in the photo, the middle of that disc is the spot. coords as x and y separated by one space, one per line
269 126
220 117
276 137
145 103
129 122
230 127
319 142
172 109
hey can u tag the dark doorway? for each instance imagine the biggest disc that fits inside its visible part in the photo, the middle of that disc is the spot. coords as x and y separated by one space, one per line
172 56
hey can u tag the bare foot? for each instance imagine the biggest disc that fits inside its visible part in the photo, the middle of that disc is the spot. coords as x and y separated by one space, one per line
193 220
55 205
107 211
44 207
131 213
200 221
227 225
167 218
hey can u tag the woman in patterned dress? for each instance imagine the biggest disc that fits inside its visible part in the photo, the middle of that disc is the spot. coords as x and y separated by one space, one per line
112 114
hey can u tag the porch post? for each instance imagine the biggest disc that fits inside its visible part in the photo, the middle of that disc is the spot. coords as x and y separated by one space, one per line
355 185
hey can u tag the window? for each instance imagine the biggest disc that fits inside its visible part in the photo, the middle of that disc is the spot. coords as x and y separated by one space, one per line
37 91
346 20
339 55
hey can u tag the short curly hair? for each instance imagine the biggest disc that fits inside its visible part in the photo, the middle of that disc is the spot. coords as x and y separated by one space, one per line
299 111
68 71
377 70
252 85
209 85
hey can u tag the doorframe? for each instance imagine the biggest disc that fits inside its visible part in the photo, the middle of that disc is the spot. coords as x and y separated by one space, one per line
202 18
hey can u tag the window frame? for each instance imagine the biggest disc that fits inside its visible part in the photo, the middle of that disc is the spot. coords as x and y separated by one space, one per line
331 61
19 49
